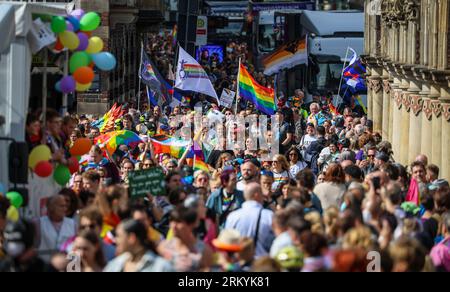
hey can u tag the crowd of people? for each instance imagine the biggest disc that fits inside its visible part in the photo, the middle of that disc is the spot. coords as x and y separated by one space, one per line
333 195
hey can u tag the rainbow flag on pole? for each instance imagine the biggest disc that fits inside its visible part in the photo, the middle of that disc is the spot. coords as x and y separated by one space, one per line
263 98
169 145
200 165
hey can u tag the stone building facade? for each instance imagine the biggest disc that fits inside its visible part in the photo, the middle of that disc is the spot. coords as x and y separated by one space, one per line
407 50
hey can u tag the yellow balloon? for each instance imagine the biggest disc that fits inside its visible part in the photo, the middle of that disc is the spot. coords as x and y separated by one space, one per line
83 87
95 45
12 214
69 40
39 153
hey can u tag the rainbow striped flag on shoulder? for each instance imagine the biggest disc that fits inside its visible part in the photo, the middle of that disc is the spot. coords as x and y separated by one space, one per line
262 97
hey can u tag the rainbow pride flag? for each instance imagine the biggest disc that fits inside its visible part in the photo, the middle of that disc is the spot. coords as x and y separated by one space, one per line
112 140
263 98
164 144
197 163
200 165
175 35
106 123
333 109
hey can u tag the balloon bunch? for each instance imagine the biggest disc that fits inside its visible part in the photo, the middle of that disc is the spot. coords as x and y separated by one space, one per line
75 33
40 157
16 201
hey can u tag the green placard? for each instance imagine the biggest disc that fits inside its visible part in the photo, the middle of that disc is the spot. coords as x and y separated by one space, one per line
149 181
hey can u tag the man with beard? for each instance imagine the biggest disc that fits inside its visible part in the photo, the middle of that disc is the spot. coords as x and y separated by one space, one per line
249 173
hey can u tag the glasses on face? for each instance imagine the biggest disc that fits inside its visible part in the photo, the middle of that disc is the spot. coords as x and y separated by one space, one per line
371 156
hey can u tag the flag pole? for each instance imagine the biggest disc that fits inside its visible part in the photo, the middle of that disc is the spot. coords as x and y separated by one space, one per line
140 71
343 69
237 87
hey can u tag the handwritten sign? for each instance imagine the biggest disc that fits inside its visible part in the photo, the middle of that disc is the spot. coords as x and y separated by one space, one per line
227 98
144 182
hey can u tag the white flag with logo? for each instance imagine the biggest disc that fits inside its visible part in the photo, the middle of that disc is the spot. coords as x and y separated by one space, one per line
192 77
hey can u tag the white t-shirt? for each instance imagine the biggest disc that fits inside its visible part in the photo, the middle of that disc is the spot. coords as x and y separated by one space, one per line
307 140
279 179
296 168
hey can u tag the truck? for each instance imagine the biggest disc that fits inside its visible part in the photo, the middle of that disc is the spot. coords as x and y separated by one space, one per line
225 21
261 28
329 35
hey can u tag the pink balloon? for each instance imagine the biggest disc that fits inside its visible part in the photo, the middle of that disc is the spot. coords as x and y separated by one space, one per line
68 84
84 41
78 13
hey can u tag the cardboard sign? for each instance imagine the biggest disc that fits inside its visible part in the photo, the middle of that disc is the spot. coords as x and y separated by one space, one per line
149 181
227 98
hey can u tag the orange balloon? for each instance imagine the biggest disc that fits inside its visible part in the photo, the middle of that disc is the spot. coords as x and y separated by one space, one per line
81 147
84 75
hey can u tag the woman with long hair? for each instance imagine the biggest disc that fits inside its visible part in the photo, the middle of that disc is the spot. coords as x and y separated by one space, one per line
331 192
296 161
280 168
88 246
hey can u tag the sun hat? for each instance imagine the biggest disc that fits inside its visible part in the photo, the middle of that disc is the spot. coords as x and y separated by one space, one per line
229 240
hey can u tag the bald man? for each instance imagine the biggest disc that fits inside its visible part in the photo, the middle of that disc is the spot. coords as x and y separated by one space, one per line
249 173
253 221
422 158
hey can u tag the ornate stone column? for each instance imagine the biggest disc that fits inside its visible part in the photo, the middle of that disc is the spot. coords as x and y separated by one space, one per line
445 165
386 127
369 93
445 108
404 133
415 121
377 99
427 117
396 118
436 125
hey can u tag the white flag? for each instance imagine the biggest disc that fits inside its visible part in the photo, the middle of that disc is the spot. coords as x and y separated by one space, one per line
192 77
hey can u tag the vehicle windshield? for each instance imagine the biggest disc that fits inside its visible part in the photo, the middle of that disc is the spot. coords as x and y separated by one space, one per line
325 77
267 40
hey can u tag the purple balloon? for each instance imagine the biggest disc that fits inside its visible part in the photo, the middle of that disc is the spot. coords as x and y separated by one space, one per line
69 26
78 13
68 84
84 41
74 21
